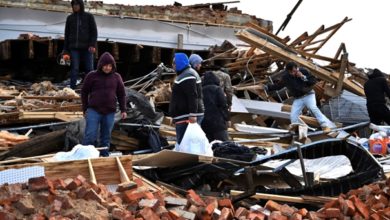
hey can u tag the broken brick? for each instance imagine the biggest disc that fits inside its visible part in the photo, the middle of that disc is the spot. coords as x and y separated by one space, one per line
151 203
25 206
287 210
272 206
147 213
7 216
360 207
74 184
332 213
277 215
296 216
92 195
226 214
38 183
195 198
348 208
56 206
126 186
59 184
241 211
254 215
222 203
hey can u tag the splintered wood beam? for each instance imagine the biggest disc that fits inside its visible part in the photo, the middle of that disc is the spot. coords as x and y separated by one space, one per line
318 71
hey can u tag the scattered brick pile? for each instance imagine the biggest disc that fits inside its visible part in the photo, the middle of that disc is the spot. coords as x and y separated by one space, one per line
78 198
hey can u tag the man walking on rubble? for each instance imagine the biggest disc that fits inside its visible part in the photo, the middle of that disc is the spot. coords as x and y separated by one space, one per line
101 91
80 39
375 89
299 83
186 104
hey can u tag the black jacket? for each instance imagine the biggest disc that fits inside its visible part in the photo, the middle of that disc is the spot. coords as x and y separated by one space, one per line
216 109
80 30
375 88
296 86
186 99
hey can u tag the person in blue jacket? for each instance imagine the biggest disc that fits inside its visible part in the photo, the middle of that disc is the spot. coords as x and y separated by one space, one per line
186 100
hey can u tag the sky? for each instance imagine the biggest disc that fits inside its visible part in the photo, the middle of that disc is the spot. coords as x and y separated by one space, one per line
366 36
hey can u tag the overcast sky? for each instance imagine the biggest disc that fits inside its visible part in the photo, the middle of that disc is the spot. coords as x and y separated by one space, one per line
366 36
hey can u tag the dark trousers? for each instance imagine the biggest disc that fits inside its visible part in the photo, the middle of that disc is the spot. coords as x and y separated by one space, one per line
77 56
378 113
221 135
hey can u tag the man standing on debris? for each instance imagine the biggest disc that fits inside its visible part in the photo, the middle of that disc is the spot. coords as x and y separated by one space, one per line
101 91
216 113
186 104
80 39
299 83
375 89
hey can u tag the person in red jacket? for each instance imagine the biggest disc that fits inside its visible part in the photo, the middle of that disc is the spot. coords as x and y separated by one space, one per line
101 91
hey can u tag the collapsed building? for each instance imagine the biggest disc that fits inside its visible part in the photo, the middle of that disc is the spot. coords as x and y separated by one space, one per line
143 40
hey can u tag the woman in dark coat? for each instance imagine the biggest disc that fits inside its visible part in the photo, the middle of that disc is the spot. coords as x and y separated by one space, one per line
216 112
376 88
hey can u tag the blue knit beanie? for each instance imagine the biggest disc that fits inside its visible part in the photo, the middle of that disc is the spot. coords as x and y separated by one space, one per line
195 59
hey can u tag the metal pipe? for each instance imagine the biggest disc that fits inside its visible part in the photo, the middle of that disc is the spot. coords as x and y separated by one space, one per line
36 126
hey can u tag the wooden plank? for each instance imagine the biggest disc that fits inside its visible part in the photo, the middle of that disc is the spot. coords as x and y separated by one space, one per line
106 169
293 199
319 72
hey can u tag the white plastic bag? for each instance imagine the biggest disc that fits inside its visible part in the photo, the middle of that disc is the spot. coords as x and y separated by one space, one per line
79 152
195 141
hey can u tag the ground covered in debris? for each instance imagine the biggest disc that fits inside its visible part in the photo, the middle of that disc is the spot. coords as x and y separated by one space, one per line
78 198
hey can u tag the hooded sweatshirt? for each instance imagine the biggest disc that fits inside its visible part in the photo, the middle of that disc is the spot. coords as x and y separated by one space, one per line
80 29
101 91
376 87
187 98
216 108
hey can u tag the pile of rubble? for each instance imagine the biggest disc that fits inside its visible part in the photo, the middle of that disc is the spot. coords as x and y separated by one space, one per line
78 198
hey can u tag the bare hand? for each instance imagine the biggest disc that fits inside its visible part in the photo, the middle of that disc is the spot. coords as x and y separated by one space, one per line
123 115
299 74
92 49
192 119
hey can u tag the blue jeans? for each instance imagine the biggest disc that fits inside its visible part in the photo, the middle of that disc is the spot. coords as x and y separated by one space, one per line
310 102
94 121
77 56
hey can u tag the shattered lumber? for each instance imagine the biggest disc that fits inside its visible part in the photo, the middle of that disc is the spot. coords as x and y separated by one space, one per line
288 199
250 37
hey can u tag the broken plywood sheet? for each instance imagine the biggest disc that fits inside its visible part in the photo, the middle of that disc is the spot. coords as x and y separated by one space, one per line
271 109
237 106
258 129
164 159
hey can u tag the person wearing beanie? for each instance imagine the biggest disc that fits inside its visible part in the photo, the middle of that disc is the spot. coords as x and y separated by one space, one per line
101 91
186 105
79 40
375 89
196 62
299 83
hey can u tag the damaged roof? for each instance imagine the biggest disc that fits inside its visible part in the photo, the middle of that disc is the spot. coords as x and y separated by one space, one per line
184 27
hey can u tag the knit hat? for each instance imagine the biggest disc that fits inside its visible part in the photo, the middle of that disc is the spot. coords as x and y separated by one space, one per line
195 59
